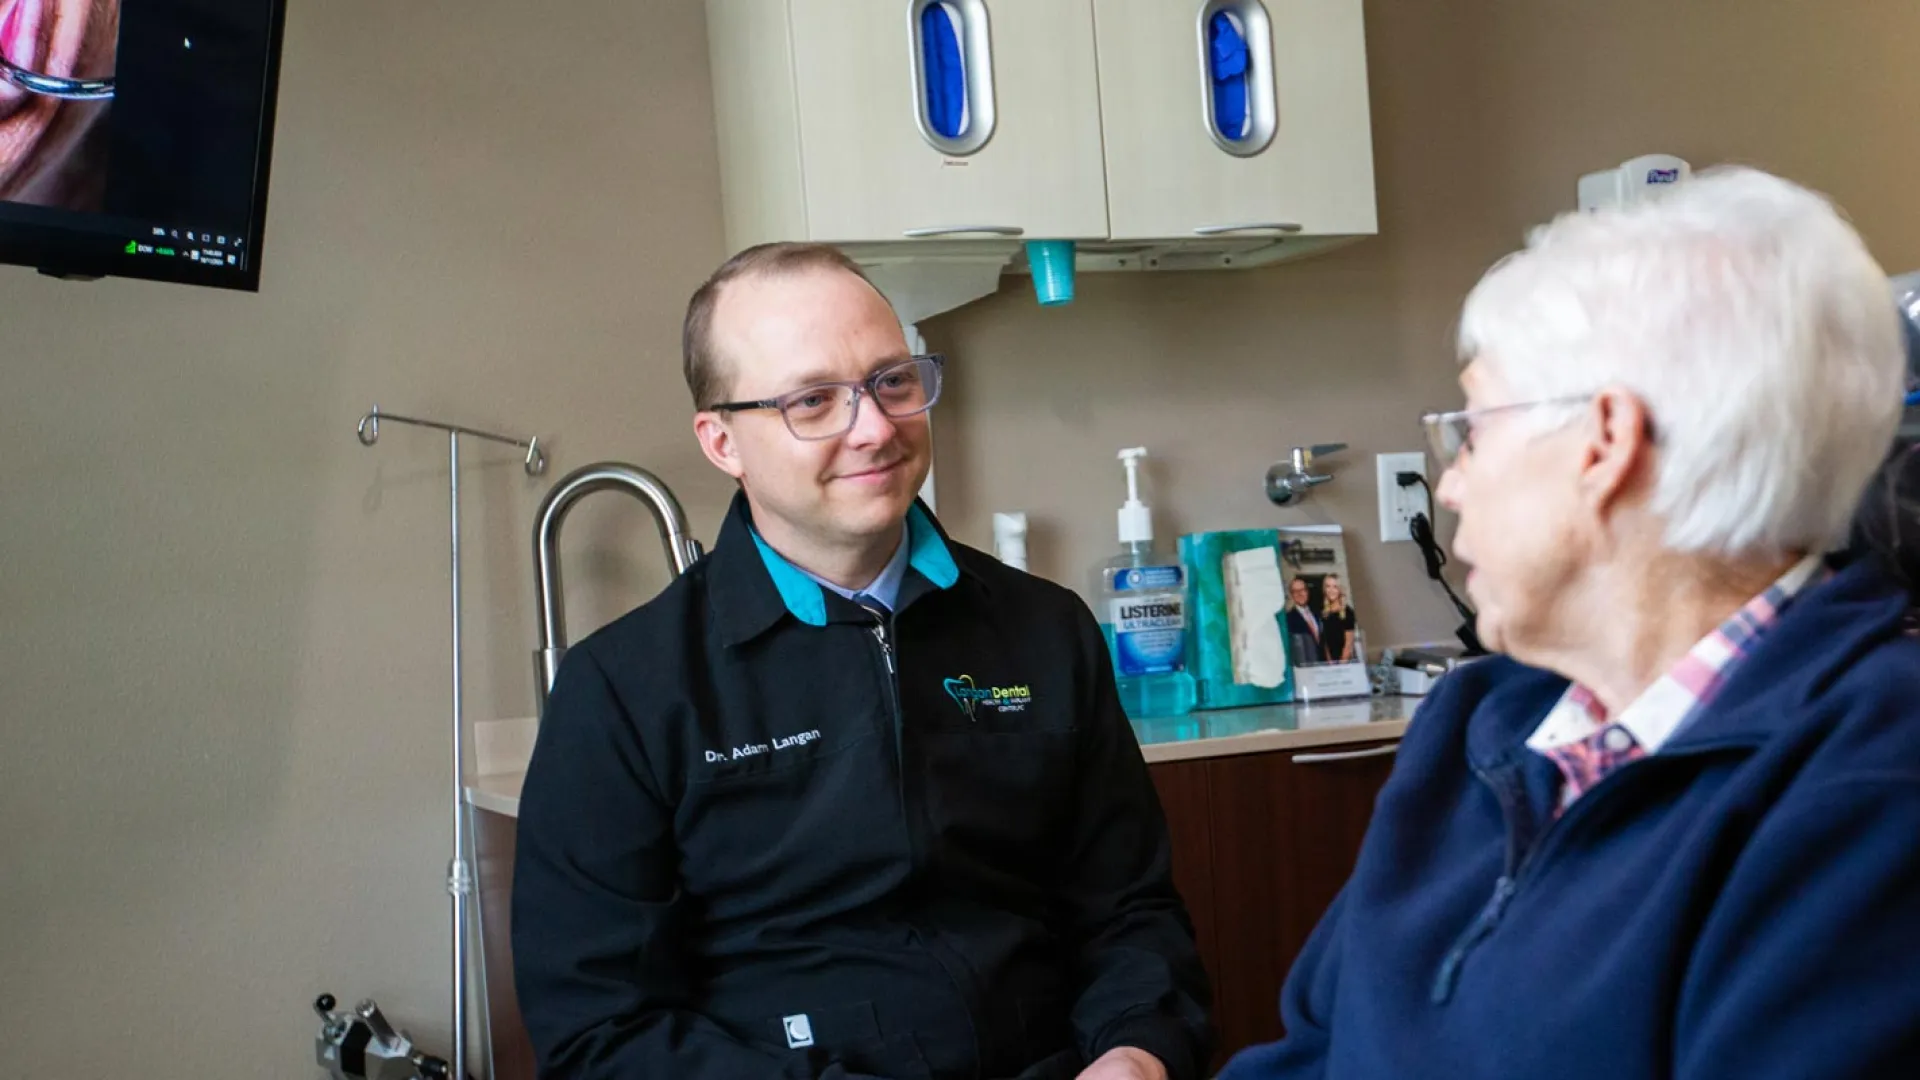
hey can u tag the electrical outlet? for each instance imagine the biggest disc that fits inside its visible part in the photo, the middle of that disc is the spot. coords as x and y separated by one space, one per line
1399 504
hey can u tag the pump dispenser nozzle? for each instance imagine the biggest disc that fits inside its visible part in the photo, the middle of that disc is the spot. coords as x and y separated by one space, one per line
1136 520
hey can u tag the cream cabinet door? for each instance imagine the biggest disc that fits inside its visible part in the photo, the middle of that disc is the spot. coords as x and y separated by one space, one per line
1169 175
871 169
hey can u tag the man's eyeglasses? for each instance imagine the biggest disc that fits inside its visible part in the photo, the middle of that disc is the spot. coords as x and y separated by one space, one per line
828 410
1449 433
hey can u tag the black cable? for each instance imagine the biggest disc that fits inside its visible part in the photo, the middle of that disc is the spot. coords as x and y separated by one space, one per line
1422 531
1420 528
1421 479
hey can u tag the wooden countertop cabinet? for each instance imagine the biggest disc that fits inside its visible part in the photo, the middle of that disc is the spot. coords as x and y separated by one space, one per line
1261 845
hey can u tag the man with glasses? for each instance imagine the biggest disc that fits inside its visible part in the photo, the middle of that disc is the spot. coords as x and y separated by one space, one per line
848 799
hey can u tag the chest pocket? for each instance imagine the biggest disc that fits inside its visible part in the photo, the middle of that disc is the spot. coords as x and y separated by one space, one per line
999 799
763 831
997 750
792 791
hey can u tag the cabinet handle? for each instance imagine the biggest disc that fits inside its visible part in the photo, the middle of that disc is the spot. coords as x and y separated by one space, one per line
1346 755
952 49
961 230
1242 109
1222 230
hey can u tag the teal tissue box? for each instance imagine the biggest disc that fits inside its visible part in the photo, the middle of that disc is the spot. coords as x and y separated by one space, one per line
1212 571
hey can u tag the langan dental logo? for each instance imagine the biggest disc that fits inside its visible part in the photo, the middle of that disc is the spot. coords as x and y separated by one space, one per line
971 697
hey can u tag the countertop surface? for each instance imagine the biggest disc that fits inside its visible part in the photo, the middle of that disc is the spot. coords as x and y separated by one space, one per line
1259 728
499 793
1252 730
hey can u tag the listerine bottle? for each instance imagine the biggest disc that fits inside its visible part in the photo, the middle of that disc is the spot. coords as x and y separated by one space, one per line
1142 607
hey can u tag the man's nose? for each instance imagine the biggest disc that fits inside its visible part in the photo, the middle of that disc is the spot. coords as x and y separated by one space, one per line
871 427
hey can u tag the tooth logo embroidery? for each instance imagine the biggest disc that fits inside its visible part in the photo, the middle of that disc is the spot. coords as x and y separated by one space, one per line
965 695
970 697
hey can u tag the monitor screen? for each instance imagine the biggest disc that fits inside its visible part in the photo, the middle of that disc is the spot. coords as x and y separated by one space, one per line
135 137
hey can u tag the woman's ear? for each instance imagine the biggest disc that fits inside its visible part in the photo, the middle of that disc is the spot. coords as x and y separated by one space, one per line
1619 454
717 442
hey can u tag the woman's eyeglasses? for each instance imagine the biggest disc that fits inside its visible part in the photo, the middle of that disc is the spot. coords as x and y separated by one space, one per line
1450 433
827 410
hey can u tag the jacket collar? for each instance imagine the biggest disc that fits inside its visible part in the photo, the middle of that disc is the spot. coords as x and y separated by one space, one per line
1827 627
751 586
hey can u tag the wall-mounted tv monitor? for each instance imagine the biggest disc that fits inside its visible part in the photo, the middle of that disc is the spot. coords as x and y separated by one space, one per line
135 137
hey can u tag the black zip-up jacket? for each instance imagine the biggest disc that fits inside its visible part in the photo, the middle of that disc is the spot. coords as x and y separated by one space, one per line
767 832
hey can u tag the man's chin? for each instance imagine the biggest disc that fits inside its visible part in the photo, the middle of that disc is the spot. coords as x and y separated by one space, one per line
874 509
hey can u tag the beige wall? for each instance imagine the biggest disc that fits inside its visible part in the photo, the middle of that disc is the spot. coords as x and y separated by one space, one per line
223 673
222 651
1485 113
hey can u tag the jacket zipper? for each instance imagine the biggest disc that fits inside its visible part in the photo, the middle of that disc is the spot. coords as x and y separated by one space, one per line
879 631
1482 926
1518 869
1448 977
886 647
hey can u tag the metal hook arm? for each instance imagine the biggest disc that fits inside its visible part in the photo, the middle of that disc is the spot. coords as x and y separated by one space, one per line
369 432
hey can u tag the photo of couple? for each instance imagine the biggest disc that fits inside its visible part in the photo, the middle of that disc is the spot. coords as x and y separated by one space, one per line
1322 627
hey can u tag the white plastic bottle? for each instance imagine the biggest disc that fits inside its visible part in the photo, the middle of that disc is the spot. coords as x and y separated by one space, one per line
1010 538
1142 607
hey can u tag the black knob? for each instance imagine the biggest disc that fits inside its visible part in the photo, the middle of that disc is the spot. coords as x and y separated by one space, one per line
432 1068
324 1003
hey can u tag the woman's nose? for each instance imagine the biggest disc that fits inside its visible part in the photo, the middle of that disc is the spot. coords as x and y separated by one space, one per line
1449 490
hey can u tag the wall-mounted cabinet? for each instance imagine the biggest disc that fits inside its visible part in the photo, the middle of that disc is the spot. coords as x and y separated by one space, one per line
1158 133
1296 152
824 133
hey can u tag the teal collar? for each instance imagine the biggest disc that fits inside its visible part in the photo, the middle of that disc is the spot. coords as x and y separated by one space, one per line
927 555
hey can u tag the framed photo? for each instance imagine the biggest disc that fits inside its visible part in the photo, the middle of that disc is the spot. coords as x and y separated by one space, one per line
1321 617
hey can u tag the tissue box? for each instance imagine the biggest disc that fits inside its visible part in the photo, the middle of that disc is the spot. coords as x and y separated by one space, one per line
1236 638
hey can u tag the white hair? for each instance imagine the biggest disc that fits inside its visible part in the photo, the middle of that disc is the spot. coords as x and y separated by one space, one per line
1748 317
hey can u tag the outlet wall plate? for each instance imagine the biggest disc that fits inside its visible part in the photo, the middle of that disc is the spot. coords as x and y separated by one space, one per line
1399 504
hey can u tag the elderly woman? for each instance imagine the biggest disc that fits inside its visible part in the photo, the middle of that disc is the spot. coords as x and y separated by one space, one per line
1675 830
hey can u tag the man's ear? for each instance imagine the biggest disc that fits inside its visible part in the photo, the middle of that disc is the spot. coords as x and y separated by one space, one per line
716 441
1619 453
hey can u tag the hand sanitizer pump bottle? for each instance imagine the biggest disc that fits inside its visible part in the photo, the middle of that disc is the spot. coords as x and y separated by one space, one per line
1141 600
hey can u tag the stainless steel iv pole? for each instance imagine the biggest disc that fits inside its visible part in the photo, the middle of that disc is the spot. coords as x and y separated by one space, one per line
460 869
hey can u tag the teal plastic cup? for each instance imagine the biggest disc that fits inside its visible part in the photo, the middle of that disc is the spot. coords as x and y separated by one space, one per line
1052 264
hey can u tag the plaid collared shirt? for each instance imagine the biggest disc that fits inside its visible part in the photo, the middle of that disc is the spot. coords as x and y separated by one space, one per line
1586 743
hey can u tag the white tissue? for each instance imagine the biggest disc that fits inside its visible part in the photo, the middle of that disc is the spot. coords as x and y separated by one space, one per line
1255 598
